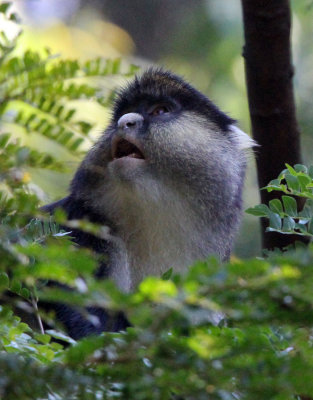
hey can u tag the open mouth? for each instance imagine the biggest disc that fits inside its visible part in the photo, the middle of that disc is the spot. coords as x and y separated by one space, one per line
123 148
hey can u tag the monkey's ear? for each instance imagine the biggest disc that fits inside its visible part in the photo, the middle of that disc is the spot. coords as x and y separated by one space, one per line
243 140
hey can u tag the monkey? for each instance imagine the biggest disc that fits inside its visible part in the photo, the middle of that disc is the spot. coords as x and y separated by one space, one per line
166 178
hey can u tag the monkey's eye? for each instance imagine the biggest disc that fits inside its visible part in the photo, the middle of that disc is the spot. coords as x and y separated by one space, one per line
159 110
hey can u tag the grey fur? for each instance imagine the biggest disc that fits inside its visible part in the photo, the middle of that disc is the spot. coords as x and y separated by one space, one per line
179 204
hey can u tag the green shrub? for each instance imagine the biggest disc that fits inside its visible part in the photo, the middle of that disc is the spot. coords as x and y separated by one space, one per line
283 215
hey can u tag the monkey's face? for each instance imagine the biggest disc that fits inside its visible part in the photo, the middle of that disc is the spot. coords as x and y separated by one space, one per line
164 133
142 137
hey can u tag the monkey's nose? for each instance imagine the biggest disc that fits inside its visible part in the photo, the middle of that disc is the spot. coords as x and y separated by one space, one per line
130 121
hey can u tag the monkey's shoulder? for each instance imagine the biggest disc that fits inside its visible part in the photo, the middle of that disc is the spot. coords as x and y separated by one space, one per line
76 210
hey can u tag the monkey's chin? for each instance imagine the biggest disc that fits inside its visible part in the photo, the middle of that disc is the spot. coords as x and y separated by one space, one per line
126 168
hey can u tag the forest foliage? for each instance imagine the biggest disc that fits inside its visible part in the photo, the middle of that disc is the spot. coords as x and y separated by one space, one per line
239 330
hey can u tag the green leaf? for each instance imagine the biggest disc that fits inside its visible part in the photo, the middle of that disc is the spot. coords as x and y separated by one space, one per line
292 182
276 206
75 144
301 168
4 280
69 115
291 170
133 69
167 275
304 181
25 293
116 66
288 224
290 206
274 183
4 7
16 286
4 139
275 220
15 18
60 336
307 211
43 338
261 210
85 127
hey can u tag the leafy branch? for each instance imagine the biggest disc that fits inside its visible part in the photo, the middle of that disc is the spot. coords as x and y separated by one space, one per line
283 215
35 89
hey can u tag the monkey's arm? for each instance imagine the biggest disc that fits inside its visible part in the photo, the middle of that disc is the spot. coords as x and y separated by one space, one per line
76 323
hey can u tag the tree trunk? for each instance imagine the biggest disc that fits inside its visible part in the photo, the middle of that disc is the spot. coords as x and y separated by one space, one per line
269 73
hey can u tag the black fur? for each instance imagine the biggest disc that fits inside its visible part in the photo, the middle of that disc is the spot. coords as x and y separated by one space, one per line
78 325
158 85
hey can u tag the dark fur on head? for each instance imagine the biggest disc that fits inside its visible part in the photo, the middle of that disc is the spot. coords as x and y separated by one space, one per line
159 85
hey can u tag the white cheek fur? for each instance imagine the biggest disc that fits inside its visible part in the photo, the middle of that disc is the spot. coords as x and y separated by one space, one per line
243 140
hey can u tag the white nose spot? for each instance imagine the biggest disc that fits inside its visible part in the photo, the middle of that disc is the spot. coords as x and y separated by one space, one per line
129 120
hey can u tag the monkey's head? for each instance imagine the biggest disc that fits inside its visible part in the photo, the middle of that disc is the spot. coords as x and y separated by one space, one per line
169 158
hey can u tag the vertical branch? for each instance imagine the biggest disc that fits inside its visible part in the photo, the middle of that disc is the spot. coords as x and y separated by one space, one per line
34 302
269 73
